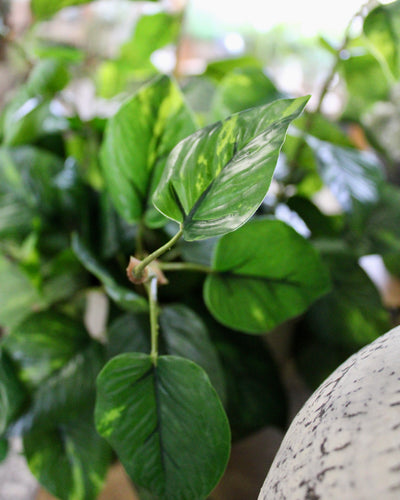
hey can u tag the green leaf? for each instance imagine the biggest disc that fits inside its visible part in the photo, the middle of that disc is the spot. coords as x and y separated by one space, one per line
217 70
47 77
216 179
264 274
242 89
12 392
123 296
43 9
340 323
166 424
182 333
3 449
43 343
256 397
30 114
366 85
70 460
382 28
133 64
352 315
353 176
30 176
57 398
18 296
137 142
374 227
185 335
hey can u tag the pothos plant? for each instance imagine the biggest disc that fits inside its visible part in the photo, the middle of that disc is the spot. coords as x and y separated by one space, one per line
177 226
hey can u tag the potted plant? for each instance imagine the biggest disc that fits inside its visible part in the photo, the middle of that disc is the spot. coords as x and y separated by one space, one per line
165 212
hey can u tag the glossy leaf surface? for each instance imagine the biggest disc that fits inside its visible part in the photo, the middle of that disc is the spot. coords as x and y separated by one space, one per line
352 175
137 142
70 460
166 424
264 274
215 179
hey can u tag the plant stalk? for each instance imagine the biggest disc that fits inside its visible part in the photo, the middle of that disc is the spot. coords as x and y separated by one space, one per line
184 266
138 270
151 288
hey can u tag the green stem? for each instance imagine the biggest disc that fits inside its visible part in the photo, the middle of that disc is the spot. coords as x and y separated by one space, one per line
184 266
151 288
139 269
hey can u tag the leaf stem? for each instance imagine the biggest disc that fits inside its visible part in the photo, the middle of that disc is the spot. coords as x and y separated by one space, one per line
138 270
151 288
184 266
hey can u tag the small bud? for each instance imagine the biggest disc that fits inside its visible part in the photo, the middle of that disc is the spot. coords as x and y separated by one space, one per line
133 262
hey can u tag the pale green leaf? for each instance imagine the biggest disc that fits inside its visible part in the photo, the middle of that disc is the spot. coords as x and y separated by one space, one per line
216 179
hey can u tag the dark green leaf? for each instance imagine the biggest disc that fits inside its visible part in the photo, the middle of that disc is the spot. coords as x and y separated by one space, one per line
18 296
318 223
216 179
70 460
185 335
382 27
125 297
374 227
3 449
242 89
352 175
137 142
255 395
129 333
265 273
12 392
165 422
43 343
182 333
57 398
31 175
352 314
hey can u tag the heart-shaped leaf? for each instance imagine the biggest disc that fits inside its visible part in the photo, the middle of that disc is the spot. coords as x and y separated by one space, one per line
216 179
137 142
264 274
165 422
